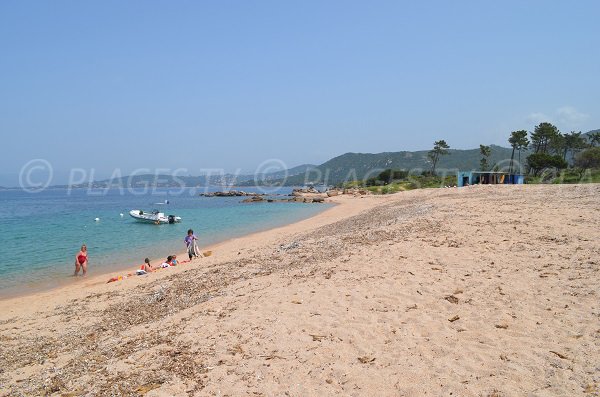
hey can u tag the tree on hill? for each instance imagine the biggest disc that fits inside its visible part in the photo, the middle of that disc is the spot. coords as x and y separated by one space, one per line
539 161
518 141
589 158
574 143
485 152
386 177
440 148
542 137
556 144
594 138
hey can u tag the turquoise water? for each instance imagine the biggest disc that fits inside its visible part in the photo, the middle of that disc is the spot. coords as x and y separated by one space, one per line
40 233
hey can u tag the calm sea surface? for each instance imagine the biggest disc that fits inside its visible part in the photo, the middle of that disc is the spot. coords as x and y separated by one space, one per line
40 233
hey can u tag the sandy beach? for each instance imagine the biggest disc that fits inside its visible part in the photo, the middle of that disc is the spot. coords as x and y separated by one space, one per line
479 291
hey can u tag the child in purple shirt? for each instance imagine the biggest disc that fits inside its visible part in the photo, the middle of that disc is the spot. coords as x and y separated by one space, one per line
192 248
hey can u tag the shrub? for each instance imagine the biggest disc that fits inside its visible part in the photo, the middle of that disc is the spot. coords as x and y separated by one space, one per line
540 161
386 177
589 158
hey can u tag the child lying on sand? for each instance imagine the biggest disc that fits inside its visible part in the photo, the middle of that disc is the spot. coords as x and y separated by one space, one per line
168 262
145 268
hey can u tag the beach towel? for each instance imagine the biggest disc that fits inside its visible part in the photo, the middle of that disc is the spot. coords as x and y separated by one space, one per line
193 249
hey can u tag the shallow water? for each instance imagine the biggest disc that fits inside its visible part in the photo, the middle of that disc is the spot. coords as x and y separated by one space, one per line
40 233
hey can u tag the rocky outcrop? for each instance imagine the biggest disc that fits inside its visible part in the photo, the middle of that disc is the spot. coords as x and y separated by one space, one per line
296 199
255 199
302 192
231 193
307 195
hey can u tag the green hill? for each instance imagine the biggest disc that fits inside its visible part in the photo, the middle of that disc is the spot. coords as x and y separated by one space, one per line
347 167
352 166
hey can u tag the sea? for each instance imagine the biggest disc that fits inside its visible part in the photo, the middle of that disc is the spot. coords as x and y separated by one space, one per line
41 232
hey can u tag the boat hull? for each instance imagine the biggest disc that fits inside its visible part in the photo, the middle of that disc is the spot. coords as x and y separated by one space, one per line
156 218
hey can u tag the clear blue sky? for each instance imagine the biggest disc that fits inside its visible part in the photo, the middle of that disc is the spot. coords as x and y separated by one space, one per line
228 84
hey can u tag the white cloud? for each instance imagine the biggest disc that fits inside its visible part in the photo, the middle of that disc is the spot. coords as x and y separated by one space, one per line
570 116
565 117
538 117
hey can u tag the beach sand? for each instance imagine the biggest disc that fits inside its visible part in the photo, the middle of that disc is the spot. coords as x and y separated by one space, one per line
479 291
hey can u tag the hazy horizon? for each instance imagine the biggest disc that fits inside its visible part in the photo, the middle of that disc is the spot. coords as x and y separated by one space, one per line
112 85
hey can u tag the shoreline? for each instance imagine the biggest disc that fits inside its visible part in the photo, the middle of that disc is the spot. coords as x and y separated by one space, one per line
20 291
98 282
480 291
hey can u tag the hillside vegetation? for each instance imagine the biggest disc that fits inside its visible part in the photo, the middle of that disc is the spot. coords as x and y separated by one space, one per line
360 166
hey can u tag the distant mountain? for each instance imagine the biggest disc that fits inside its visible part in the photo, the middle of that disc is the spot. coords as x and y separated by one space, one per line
275 177
177 181
299 170
351 166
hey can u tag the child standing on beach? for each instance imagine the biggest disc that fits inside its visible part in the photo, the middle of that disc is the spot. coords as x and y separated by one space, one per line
190 243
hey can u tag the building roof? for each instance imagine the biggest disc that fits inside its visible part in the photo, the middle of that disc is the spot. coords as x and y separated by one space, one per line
490 172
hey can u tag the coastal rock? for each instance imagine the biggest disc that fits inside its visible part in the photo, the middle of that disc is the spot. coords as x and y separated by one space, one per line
254 199
310 195
231 193
301 192
298 197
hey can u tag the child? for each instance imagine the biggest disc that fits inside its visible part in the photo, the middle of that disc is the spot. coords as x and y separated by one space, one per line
147 267
192 248
168 262
174 261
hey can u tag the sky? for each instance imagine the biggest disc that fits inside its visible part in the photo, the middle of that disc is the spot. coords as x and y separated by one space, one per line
109 87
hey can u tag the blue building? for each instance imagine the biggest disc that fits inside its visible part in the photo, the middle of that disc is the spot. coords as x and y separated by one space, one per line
466 178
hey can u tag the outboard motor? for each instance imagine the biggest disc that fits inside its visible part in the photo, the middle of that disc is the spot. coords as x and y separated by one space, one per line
171 218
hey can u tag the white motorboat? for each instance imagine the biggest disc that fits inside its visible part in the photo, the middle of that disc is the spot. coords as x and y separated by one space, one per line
154 216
